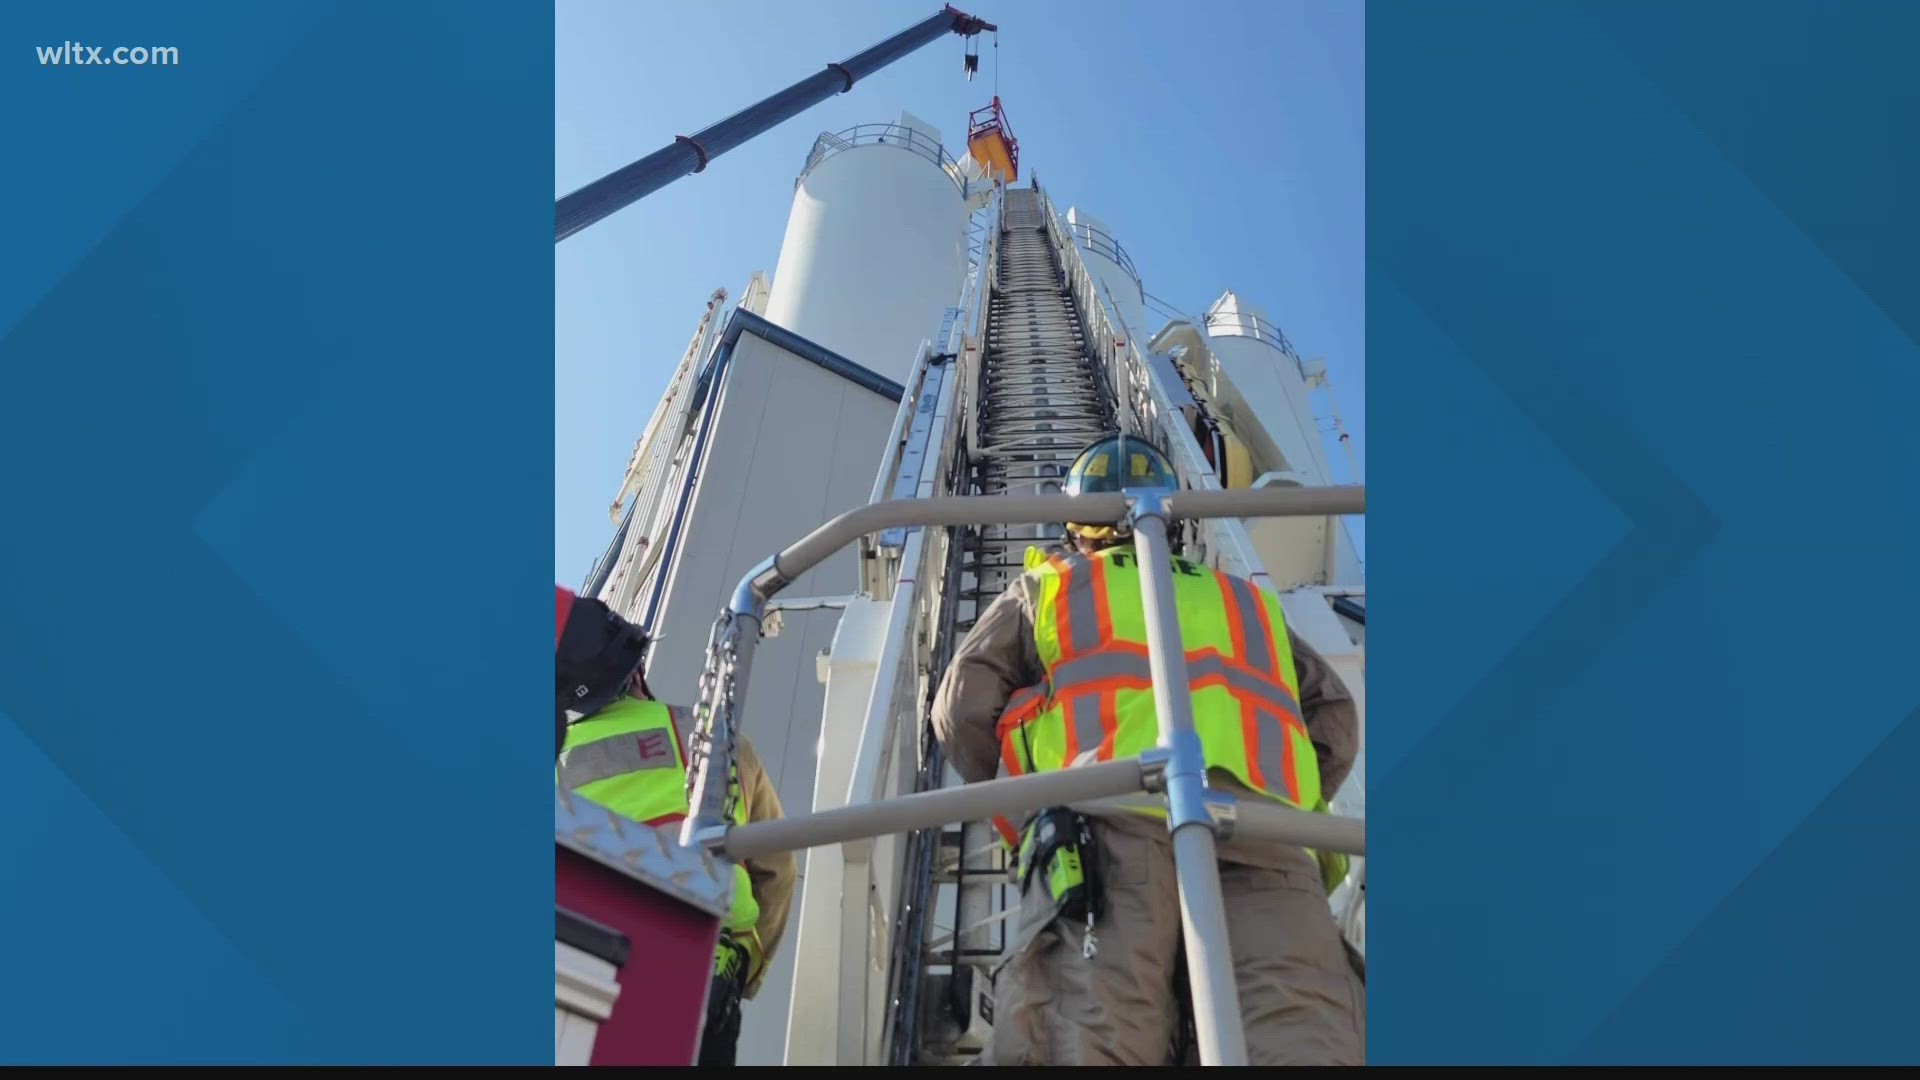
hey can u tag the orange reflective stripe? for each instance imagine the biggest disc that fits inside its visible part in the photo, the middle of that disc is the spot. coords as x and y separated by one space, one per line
1222 679
1083 626
1230 607
1109 724
1009 759
1271 749
1076 709
1096 703
1022 707
1250 734
1008 834
1088 727
1270 646
1063 613
1102 617
1289 767
1025 705
1256 644
1125 666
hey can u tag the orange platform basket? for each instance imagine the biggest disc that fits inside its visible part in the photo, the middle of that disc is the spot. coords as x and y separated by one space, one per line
991 143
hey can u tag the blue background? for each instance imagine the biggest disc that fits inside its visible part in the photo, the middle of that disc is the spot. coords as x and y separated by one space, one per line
1643 386
275 404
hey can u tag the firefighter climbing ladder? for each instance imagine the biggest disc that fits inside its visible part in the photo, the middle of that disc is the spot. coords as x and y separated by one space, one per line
1176 767
990 417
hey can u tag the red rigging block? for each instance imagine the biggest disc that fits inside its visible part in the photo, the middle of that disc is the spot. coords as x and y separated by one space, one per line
990 142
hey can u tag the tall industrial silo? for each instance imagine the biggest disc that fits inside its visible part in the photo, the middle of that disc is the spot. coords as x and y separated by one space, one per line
1261 384
876 244
1114 267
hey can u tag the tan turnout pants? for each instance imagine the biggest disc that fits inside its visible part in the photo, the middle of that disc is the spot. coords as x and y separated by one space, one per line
1300 999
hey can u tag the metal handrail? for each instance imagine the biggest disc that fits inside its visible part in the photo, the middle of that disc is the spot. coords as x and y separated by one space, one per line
816 547
909 401
1177 765
910 139
707 822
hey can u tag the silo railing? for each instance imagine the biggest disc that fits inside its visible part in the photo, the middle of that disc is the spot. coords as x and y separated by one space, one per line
1251 325
1101 243
907 138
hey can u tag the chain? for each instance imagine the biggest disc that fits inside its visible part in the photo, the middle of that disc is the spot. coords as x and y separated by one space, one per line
716 689
710 692
730 711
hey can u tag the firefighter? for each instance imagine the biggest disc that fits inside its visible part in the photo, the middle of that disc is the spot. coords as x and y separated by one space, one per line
626 751
1053 675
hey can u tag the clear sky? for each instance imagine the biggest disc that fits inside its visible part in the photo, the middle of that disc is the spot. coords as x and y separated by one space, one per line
1222 140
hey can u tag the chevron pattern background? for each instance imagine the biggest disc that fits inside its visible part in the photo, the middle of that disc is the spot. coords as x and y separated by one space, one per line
1643 378
275 407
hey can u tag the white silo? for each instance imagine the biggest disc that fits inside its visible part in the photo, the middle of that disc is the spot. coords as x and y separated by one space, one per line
1261 386
1269 374
1114 267
876 244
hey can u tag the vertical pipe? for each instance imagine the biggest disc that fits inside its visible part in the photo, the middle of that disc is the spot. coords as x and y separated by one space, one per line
1203 918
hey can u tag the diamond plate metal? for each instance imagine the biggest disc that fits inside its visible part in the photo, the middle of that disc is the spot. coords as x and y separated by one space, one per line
650 856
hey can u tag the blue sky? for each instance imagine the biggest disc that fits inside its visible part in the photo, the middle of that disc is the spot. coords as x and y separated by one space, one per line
1224 143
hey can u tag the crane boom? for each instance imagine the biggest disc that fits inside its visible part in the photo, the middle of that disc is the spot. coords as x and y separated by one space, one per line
690 154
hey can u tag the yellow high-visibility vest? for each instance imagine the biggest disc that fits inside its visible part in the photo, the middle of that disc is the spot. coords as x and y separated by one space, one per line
628 758
1096 702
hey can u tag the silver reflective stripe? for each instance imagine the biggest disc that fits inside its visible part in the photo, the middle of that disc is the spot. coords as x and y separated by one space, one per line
1246 683
1272 758
1259 646
618 755
1110 664
682 717
1083 713
1083 610
1105 664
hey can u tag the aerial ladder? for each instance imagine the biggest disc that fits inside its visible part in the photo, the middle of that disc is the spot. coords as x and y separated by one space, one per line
1040 397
